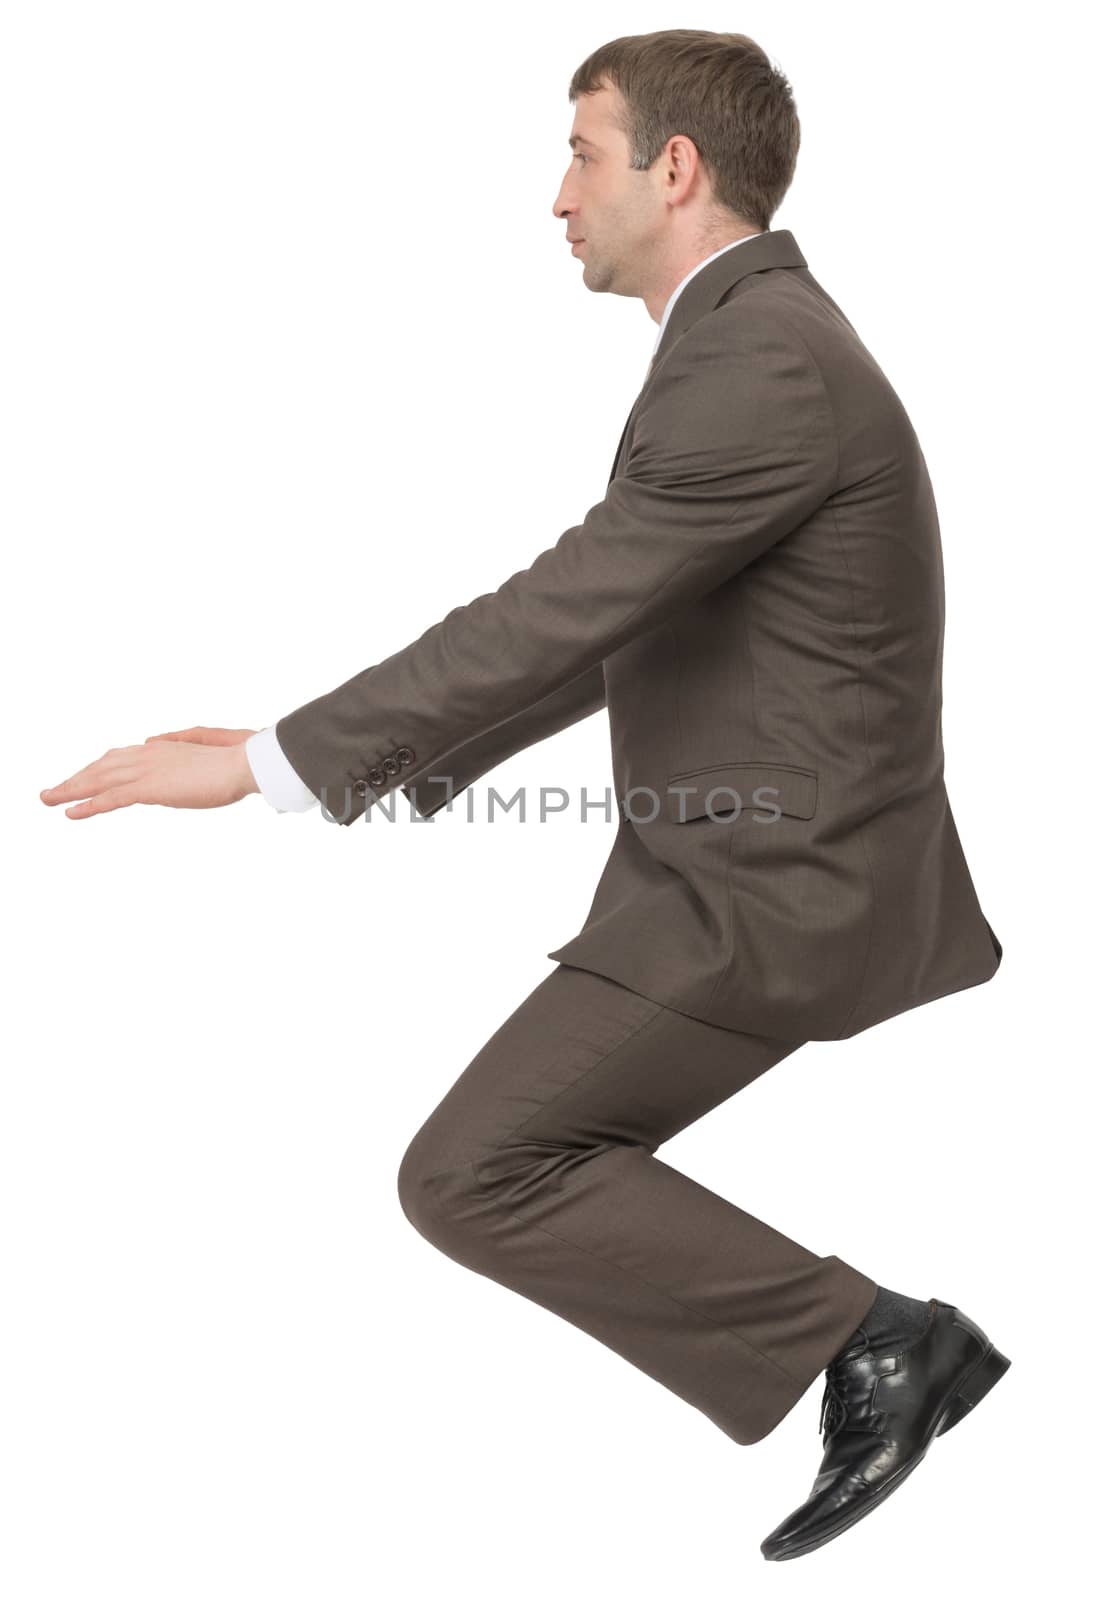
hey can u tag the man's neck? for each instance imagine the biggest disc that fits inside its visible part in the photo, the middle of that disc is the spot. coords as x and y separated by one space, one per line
695 257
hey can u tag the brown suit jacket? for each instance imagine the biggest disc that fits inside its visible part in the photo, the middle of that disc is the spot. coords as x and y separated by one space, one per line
758 600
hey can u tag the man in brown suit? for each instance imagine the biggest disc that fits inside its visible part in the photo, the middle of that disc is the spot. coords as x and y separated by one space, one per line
758 601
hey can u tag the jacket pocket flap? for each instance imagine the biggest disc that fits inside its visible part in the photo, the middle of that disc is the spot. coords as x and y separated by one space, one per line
744 784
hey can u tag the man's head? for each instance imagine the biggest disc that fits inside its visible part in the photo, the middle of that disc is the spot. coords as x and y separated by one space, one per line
682 141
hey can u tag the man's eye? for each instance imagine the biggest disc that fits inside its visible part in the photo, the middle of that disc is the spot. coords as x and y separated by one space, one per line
577 156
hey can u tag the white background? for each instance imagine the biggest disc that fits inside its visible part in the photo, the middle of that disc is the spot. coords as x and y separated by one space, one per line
288 328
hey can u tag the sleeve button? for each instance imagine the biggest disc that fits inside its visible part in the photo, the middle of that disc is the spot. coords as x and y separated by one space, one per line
377 776
404 755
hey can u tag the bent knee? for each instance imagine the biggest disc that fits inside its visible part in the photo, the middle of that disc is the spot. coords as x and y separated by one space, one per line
436 1190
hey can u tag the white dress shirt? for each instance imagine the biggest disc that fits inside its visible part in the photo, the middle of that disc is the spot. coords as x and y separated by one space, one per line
276 777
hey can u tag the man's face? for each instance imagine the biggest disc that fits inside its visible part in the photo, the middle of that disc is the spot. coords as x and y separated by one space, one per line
605 203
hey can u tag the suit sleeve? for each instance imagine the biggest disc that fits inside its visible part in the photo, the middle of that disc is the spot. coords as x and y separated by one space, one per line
734 446
438 784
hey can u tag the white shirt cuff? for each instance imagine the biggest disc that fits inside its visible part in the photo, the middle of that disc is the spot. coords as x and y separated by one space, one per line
276 777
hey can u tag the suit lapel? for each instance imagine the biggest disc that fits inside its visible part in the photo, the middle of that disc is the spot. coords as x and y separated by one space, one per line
711 285
705 292
622 436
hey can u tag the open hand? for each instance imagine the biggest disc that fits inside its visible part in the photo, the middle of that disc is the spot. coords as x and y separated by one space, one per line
194 769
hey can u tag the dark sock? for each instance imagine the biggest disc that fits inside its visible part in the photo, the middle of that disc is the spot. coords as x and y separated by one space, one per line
893 1319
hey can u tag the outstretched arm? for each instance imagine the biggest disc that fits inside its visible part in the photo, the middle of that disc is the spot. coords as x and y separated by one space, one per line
734 447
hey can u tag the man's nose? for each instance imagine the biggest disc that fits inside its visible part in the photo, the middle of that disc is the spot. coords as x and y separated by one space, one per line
561 207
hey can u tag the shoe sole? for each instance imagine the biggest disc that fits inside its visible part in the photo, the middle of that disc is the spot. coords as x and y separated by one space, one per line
962 1398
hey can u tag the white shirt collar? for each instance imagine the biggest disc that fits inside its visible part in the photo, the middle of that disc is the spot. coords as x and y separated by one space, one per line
674 296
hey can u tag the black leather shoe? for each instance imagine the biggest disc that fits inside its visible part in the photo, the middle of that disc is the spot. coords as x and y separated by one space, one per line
882 1409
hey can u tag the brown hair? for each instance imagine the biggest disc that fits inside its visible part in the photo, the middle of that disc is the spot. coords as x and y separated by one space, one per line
719 89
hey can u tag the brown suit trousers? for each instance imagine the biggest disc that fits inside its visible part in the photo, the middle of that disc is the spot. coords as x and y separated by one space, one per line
538 1169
